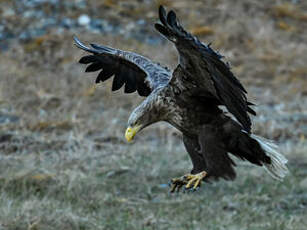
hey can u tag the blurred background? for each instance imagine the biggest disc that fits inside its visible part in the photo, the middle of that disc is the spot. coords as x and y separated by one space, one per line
64 163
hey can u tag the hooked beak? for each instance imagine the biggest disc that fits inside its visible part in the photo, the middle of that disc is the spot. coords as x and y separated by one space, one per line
131 131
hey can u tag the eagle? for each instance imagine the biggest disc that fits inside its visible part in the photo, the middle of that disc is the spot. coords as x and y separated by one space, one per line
190 98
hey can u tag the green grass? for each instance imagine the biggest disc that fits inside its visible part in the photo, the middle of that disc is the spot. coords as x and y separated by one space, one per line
78 188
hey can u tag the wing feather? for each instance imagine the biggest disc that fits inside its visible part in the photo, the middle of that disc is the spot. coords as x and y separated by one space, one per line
104 75
118 82
204 66
93 67
87 59
133 71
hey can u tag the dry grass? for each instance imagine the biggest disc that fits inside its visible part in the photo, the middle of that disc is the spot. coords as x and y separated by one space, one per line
65 164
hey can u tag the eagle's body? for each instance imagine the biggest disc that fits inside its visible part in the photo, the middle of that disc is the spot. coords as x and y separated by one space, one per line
186 115
189 99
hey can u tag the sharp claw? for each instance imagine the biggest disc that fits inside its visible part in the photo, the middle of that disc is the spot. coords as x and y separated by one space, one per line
179 187
189 182
197 183
173 189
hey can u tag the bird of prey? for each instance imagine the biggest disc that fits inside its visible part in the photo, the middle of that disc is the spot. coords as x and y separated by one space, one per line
190 99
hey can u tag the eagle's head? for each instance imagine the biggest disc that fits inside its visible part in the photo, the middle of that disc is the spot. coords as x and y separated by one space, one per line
147 113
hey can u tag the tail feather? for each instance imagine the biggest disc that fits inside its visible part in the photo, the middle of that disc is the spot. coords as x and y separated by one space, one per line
277 168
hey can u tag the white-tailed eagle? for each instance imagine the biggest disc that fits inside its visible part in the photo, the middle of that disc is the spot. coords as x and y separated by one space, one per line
189 98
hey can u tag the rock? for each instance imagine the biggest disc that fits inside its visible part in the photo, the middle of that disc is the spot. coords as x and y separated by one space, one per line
30 14
96 25
7 118
48 22
141 22
8 13
24 35
67 23
36 3
303 183
29 34
81 4
4 46
25 20
5 137
84 20
303 129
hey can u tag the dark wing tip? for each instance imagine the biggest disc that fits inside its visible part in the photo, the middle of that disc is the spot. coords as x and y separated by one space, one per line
162 29
118 82
251 111
94 67
161 8
167 19
87 59
171 18
162 15
105 74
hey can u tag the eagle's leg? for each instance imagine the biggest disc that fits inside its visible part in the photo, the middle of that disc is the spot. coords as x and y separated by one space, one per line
191 181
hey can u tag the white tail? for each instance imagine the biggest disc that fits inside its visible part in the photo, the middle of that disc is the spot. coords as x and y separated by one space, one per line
277 169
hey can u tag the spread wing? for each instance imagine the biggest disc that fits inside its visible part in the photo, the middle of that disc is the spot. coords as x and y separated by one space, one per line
203 66
134 71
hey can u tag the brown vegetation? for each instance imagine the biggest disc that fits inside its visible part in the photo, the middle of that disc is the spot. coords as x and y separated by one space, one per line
64 162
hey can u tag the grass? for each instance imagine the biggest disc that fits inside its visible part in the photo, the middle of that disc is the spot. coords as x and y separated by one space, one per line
84 188
65 165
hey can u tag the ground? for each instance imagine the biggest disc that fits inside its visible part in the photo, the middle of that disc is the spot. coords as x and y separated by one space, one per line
64 160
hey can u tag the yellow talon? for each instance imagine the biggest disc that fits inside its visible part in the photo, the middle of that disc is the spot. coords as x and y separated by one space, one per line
188 176
195 180
197 183
177 183
189 180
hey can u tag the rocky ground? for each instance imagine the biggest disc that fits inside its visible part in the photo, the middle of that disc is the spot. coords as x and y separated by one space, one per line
64 163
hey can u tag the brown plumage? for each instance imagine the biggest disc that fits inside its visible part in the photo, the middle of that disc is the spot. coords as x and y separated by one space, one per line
189 99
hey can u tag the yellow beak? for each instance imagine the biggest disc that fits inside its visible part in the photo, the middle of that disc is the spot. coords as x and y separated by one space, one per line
131 131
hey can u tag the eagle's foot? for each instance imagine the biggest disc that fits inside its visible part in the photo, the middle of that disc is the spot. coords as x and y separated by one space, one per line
191 182
194 180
